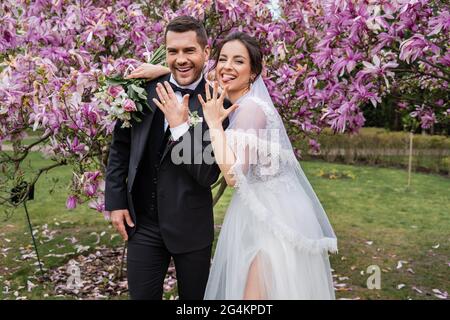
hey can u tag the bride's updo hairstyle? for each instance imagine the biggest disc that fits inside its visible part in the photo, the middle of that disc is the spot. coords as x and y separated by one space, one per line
253 48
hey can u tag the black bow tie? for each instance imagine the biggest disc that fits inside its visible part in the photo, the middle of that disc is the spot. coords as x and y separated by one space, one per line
183 91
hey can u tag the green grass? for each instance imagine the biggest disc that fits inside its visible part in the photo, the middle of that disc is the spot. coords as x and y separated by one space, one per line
47 208
30 138
403 224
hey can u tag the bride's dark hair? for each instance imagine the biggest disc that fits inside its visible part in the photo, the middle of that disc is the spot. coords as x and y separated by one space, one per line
253 48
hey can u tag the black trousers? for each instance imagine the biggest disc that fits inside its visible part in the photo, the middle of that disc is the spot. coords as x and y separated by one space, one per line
148 261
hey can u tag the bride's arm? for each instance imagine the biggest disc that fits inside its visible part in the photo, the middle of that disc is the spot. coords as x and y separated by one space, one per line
247 122
223 154
239 153
215 114
148 71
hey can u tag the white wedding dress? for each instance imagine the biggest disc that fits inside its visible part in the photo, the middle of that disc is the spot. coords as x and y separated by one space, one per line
274 219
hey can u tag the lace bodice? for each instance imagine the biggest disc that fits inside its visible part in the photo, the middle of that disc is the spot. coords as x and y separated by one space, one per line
262 149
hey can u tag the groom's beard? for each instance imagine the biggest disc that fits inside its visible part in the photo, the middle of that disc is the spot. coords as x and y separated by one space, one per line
185 75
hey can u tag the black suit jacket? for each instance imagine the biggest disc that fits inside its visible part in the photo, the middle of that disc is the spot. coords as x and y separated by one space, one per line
184 199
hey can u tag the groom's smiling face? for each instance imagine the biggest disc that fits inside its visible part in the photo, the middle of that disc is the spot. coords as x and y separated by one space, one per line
185 56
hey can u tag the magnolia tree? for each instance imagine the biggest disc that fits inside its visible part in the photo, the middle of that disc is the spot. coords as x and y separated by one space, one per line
324 61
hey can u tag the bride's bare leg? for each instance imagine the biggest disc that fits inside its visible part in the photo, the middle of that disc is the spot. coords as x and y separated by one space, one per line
254 288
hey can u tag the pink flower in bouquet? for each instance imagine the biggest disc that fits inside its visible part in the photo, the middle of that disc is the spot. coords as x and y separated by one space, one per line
114 91
129 105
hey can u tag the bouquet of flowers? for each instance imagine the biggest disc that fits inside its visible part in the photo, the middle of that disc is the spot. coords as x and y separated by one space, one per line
123 98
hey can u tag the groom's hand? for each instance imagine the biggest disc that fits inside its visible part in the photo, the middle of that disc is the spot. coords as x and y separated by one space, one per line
176 113
117 218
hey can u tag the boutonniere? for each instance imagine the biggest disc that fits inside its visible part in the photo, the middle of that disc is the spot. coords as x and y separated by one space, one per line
194 119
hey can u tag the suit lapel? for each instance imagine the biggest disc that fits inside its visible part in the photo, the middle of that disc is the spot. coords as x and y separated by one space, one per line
142 130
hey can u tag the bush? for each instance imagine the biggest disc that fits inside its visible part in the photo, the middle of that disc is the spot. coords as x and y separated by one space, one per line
376 146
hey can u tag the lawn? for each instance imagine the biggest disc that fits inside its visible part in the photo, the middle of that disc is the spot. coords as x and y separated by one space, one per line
378 221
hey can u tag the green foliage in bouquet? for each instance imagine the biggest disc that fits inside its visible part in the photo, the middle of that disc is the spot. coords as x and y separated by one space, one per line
135 88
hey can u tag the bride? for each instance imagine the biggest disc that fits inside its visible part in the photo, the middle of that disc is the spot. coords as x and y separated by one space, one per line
276 236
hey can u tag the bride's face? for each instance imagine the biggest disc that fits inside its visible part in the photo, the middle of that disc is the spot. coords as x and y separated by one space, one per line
233 69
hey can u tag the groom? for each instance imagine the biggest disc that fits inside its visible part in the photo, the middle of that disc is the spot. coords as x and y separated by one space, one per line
164 209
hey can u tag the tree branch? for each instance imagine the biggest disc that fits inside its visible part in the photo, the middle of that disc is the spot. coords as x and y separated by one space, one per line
36 178
435 66
25 150
434 76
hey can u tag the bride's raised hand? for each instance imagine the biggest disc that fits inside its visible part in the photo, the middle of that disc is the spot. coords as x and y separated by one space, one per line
148 71
213 109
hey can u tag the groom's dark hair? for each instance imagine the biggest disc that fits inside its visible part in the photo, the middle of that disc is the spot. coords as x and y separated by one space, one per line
188 23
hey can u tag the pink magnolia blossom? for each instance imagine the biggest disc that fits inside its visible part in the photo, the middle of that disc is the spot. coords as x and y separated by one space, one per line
71 202
413 48
377 68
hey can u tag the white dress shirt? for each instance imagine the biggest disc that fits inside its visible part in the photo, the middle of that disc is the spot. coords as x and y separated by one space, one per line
178 131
